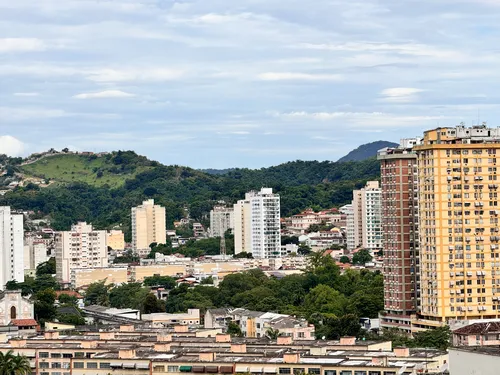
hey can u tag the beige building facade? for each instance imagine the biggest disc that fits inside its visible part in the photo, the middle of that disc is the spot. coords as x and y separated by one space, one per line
81 248
115 239
148 225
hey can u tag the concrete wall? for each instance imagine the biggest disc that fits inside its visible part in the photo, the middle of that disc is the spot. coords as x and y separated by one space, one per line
473 363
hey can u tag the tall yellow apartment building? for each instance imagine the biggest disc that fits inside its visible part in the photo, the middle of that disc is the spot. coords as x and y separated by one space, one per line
458 180
148 225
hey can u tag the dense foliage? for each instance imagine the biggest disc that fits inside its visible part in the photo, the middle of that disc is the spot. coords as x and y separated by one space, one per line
301 184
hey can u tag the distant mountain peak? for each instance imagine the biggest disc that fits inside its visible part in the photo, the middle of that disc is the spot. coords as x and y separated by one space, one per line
366 151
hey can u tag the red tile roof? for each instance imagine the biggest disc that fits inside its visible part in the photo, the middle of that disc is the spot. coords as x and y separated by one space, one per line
23 322
70 293
478 329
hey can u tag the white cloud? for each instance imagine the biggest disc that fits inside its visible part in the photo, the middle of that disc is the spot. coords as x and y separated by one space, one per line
21 45
11 146
104 94
26 94
290 76
365 119
147 74
400 94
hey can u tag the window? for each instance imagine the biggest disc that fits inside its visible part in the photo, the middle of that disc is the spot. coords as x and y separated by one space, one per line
67 355
346 372
285 370
79 354
314 371
55 355
56 364
44 365
43 354
330 372
173 369
78 365
159 369
105 365
359 372
92 365
13 312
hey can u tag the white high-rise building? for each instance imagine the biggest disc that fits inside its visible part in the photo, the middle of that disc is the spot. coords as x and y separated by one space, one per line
257 226
221 220
82 247
148 225
364 225
349 212
11 247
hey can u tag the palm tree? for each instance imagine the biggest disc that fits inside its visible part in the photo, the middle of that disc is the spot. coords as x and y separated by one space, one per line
272 334
11 364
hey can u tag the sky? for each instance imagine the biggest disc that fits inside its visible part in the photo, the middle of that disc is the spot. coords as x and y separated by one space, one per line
233 83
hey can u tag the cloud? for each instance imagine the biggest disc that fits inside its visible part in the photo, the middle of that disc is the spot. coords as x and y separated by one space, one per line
11 146
26 94
400 94
289 76
9 45
104 94
365 119
146 74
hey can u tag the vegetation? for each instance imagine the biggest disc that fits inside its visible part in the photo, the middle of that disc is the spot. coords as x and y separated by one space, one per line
78 194
111 170
11 364
362 257
439 338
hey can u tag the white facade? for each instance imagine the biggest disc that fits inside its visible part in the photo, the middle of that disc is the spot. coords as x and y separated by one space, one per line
221 220
81 248
11 247
364 225
349 211
257 224
148 225
35 253
14 306
372 216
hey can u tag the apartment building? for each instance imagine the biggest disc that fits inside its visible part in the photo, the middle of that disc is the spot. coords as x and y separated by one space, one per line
80 248
11 247
257 224
148 225
459 224
115 239
221 220
365 225
398 167
138 350
35 253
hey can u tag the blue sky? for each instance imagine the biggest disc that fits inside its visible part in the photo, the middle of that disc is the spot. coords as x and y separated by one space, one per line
225 83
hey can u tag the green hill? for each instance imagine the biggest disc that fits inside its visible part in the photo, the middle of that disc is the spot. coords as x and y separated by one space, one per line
111 170
102 190
366 151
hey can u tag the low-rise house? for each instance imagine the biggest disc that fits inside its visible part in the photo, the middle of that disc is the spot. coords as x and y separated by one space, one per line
256 324
192 317
477 334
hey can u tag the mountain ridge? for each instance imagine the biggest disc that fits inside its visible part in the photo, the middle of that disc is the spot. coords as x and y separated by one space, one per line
366 151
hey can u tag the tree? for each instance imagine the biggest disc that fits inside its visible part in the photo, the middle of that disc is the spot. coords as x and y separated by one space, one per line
272 334
333 328
97 294
324 299
345 259
304 249
243 255
234 329
362 257
166 282
44 305
46 268
438 338
74 319
152 305
11 364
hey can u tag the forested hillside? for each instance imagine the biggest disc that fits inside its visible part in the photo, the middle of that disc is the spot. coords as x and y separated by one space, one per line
301 184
